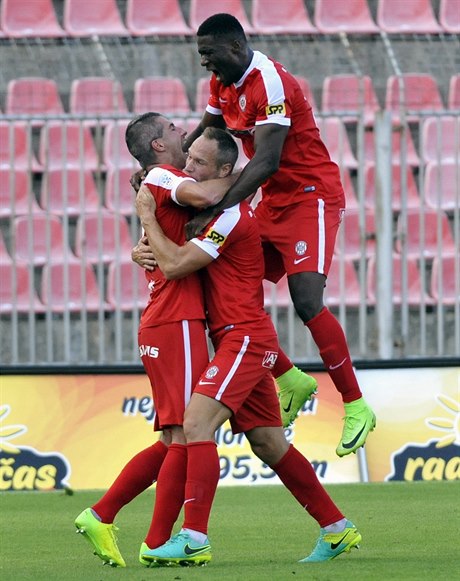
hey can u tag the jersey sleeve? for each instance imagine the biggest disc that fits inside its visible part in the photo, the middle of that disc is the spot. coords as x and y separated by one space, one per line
219 233
272 102
165 182
213 105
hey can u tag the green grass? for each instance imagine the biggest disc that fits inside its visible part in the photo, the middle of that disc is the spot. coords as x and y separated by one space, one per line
410 532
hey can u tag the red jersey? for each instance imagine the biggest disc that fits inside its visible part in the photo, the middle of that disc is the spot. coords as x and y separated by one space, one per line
233 281
171 300
268 93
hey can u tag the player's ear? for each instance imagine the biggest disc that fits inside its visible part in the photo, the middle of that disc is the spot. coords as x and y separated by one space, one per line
157 145
225 170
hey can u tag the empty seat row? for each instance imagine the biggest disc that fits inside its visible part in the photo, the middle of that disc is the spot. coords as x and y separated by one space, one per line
165 17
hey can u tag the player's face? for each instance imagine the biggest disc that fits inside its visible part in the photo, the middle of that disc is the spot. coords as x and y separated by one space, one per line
173 139
202 160
221 57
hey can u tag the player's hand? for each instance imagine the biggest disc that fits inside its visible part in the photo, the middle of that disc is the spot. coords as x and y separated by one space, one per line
142 255
145 203
137 178
198 223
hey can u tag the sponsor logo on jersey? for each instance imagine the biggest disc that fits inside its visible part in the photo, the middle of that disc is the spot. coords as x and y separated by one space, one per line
242 102
217 238
165 181
212 372
269 360
301 247
149 351
275 109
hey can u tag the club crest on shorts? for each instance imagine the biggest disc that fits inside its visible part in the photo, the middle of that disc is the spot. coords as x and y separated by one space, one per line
212 372
300 247
270 358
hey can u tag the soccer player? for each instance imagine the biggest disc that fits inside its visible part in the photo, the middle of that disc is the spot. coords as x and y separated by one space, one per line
237 384
303 201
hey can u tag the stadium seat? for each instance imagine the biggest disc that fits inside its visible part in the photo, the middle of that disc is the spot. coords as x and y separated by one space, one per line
444 274
442 185
410 16
17 292
69 192
70 286
307 91
16 196
440 139
414 296
338 291
115 153
276 294
40 239
353 16
67 144
33 96
165 20
349 189
102 237
290 17
101 17
411 154
16 147
166 95
126 286
200 10
421 93
119 195
350 94
202 94
370 187
334 135
95 96
37 19
454 92
427 243
449 16
5 257
349 235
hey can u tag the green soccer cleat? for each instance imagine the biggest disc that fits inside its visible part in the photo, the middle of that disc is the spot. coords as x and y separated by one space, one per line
359 421
331 545
101 536
180 550
295 388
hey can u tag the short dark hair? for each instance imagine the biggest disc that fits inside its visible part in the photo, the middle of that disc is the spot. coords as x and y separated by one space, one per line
140 133
227 150
222 24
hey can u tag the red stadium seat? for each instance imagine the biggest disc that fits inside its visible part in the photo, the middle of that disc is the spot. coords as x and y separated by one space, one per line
440 140
290 17
421 93
71 286
165 19
16 196
101 17
126 286
202 94
96 96
349 189
427 242
37 19
454 92
102 237
16 147
334 135
411 154
33 96
333 16
413 198
200 10
414 296
17 292
442 185
40 239
350 94
445 279
307 91
340 290
67 144
5 257
69 192
449 16
119 195
410 16
350 235
161 94
115 152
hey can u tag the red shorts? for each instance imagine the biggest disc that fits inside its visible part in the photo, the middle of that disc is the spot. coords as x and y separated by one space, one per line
239 377
174 357
300 237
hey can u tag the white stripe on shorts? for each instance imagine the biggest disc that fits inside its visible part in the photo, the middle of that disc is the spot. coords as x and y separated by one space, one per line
321 236
234 367
187 362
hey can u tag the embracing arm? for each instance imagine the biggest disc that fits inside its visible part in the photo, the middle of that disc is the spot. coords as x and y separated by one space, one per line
204 194
208 120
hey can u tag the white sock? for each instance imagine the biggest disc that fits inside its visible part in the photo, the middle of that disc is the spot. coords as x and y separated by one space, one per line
198 537
337 527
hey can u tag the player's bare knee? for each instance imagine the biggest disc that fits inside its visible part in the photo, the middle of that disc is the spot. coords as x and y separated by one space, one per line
308 307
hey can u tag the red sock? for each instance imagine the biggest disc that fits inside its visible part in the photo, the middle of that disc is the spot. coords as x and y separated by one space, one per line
283 364
169 496
297 474
140 472
203 472
330 338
